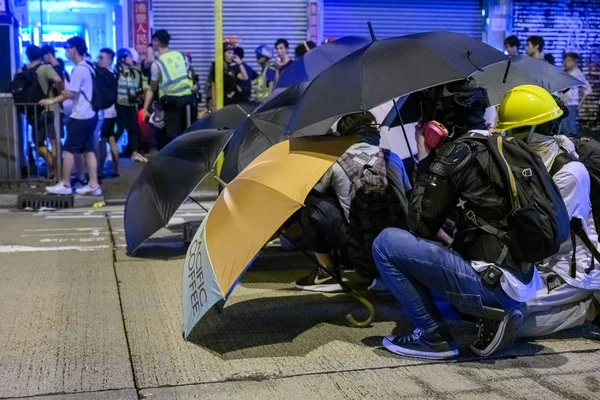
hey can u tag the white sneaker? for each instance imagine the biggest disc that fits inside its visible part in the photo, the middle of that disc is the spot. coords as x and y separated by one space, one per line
89 191
59 188
139 158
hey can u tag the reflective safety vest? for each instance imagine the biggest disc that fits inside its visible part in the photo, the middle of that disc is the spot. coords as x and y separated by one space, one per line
174 75
262 86
129 86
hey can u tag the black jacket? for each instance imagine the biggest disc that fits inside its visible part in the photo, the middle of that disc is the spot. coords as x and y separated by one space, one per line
451 181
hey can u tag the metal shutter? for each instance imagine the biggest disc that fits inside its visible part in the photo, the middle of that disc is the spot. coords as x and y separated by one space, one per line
396 18
254 22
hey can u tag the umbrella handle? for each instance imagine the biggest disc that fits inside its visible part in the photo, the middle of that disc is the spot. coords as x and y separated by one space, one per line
349 317
367 322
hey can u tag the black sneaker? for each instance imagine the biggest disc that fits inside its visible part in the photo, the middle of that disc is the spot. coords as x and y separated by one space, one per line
319 281
419 344
495 335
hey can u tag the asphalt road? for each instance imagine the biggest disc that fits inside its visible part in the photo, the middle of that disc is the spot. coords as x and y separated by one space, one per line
81 320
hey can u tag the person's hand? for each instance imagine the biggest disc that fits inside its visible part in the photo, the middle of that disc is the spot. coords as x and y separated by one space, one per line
422 147
67 94
237 59
278 63
147 116
47 102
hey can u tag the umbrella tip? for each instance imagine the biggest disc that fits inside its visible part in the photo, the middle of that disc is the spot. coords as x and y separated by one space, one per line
373 38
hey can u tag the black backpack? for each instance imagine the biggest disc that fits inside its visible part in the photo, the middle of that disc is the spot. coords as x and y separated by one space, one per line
374 206
588 150
26 88
538 222
105 88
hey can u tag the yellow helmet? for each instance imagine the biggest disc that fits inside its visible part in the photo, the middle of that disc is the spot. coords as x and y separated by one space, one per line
526 105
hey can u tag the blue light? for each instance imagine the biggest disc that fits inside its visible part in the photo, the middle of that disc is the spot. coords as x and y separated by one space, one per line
483 12
487 21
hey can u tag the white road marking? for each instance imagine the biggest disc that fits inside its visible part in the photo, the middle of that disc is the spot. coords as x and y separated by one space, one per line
80 240
62 229
32 249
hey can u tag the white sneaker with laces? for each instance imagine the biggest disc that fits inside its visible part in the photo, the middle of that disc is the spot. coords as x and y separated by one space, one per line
89 191
59 188
139 158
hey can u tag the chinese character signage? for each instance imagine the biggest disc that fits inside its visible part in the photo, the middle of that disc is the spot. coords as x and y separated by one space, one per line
313 21
141 25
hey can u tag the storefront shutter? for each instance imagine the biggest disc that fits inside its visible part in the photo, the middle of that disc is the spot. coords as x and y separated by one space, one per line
395 18
253 22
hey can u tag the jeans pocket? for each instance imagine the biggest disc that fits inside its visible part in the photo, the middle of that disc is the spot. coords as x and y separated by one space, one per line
467 303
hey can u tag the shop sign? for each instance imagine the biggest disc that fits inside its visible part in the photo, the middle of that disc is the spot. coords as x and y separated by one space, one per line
21 12
313 21
141 25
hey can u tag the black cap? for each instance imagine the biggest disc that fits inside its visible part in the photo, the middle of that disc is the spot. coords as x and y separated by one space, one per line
79 44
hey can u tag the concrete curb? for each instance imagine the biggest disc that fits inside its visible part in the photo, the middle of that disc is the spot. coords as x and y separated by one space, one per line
11 201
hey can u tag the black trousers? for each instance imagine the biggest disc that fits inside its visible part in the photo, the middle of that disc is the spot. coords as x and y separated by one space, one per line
127 118
324 228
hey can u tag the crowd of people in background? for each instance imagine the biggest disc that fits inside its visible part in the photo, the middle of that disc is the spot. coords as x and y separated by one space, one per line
144 101
573 98
453 233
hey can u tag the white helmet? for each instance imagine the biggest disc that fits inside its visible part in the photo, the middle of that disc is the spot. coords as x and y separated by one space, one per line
158 119
135 55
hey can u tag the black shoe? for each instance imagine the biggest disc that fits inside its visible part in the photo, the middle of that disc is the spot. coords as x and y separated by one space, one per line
319 281
495 335
419 344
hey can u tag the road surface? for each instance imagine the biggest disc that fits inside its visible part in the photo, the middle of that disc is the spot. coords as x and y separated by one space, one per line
81 320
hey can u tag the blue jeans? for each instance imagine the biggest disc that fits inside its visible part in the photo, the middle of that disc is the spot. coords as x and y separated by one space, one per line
413 267
569 124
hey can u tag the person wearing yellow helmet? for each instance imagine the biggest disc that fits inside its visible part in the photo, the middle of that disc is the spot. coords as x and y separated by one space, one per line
531 113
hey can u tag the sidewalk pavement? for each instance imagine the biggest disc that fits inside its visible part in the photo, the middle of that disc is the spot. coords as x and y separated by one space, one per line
80 320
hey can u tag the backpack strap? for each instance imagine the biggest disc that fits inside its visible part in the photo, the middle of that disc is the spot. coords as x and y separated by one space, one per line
577 229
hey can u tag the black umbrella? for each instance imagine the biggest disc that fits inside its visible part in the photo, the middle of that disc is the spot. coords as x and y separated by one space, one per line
167 180
497 80
387 69
320 58
226 118
256 134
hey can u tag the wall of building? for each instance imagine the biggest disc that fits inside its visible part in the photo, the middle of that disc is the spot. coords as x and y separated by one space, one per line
566 25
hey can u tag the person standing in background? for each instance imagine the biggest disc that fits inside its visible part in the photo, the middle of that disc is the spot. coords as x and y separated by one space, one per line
266 80
49 57
283 58
304 48
245 85
130 86
233 73
107 130
169 76
82 123
575 96
512 44
535 47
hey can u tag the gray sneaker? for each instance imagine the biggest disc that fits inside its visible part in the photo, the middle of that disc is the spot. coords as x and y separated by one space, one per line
495 335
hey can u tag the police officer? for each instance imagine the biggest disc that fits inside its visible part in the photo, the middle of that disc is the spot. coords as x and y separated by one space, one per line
266 79
169 76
